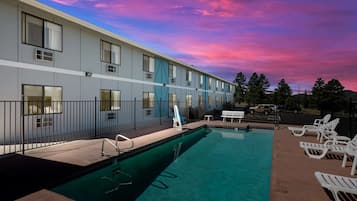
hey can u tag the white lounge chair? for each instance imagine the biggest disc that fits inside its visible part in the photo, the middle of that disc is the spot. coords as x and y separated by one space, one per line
327 130
336 184
298 131
351 150
318 151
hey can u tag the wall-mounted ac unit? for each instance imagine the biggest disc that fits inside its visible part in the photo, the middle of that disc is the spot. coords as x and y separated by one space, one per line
44 55
173 80
111 68
149 75
111 115
147 112
44 122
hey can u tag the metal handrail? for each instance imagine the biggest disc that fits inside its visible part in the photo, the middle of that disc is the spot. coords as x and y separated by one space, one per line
116 146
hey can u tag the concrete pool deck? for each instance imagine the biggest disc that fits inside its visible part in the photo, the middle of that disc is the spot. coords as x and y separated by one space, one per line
292 172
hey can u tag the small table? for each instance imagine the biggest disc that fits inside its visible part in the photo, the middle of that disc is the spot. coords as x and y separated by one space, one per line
208 117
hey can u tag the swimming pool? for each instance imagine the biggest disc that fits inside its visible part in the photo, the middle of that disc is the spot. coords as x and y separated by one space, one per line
215 164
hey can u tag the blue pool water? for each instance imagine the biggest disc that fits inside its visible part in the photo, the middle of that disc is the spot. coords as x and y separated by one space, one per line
225 165
209 164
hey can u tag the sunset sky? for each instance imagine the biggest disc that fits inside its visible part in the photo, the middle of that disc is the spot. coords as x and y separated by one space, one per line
298 40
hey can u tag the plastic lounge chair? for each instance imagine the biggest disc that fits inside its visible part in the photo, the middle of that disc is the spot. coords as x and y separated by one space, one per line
336 184
351 149
328 130
297 131
318 151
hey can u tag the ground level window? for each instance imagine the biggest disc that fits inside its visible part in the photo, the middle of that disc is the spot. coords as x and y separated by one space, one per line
172 100
42 99
188 100
200 100
148 100
109 100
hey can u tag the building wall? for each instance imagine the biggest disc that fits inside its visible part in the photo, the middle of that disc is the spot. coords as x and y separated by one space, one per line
80 54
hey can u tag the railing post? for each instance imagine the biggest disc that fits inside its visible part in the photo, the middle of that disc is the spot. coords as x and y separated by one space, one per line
95 117
23 125
135 113
350 113
160 112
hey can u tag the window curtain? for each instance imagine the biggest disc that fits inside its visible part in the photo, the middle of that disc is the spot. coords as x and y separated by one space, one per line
53 36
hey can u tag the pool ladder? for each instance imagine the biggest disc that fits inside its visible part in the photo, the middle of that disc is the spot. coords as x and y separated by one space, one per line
177 150
111 179
115 145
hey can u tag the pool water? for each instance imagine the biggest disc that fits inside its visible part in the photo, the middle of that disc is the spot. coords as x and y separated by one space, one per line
225 165
215 164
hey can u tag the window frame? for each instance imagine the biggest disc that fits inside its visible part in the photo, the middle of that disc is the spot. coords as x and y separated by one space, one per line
153 101
189 75
43 99
111 50
172 68
110 100
186 100
148 70
24 31
171 100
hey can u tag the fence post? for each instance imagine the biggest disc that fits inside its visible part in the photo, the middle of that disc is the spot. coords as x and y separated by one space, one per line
95 117
160 112
135 113
23 125
350 113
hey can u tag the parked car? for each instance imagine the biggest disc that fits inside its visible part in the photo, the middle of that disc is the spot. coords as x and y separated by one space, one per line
263 108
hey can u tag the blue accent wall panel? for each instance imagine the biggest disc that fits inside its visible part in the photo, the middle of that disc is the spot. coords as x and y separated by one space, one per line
161 75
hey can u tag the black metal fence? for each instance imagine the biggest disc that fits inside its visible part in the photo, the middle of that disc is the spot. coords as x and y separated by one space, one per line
34 123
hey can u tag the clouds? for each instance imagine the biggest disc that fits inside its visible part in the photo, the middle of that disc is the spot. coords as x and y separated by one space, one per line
298 40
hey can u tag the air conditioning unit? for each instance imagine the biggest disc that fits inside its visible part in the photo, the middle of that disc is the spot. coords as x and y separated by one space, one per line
188 83
149 75
43 55
44 122
111 68
147 112
111 115
173 80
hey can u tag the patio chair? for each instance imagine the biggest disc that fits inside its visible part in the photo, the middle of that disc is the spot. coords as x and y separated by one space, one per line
351 150
297 131
336 184
327 130
318 151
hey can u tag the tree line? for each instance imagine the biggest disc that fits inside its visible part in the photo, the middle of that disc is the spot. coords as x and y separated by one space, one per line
328 96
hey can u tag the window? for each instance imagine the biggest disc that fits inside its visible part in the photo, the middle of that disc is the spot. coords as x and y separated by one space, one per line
110 53
42 99
148 64
217 84
172 100
188 100
41 33
208 100
110 100
172 71
217 100
200 101
209 83
222 100
201 81
222 86
148 100
188 75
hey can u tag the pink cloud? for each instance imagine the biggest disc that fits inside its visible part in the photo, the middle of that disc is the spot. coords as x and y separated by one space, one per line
66 2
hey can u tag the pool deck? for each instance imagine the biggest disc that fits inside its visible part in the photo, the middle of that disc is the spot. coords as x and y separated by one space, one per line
292 172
